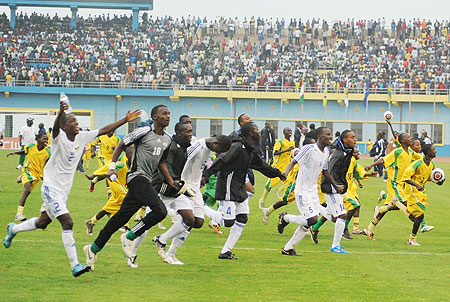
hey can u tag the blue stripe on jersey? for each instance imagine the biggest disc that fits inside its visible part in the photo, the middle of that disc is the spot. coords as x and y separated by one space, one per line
193 148
302 153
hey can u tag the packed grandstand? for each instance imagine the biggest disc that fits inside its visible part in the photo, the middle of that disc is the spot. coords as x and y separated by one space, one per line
410 56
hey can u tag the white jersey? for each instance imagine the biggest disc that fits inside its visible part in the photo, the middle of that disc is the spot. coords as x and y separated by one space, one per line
197 154
60 168
312 161
28 135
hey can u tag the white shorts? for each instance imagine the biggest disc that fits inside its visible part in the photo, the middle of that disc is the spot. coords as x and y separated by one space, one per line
54 202
198 205
230 209
308 204
335 204
182 202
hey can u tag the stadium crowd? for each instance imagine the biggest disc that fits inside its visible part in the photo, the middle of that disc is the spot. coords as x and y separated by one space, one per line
253 53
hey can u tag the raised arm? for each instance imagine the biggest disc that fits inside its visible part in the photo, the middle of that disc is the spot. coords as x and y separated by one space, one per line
57 123
129 117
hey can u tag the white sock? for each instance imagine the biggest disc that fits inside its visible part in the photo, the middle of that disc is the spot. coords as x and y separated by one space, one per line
299 233
25 226
297 219
338 231
233 237
214 215
138 241
177 242
69 245
171 212
176 229
325 213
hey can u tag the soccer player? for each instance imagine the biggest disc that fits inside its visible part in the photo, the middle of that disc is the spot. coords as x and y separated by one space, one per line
282 156
151 146
231 168
312 160
118 189
397 161
67 147
108 144
27 136
415 177
198 154
37 156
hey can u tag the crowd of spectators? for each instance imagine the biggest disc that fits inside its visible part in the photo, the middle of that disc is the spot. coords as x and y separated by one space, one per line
253 53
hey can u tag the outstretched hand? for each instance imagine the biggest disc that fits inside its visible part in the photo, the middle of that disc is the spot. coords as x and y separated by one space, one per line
131 116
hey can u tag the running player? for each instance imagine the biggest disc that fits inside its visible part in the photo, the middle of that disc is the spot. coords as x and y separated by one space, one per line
67 148
108 144
198 154
151 150
37 156
232 168
282 156
312 159
415 177
396 162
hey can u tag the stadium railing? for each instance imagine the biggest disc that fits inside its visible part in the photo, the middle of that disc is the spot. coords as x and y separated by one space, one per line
251 87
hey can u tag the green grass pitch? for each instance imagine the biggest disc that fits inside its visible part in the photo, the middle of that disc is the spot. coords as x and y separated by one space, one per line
36 268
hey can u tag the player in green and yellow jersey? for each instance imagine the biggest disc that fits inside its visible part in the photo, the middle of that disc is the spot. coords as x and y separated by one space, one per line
415 177
108 144
282 151
37 156
396 162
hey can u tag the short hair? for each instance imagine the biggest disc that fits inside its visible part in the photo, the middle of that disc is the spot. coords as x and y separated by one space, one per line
344 134
224 142
155 109
39 135
179 127
337 133
401 136
239 120
308 141
426 148
320 130
415 139
313 126
424 132
183 117
246 128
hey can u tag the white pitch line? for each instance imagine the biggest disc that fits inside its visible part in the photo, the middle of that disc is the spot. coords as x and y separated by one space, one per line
262 249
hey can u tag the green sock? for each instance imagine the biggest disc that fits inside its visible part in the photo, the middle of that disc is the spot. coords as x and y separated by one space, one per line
131 235
423 223
94 248
347 221
318 225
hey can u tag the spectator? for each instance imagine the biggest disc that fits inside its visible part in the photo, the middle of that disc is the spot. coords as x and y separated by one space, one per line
267 142
312 132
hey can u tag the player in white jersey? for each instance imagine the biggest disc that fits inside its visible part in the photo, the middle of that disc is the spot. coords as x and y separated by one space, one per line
67 149
312 160
197 155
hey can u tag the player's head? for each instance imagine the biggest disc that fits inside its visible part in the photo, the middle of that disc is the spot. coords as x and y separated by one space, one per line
110 133
42 139
405 139
219 143
356 153
69 124
185 119
250 130
287 132
324 136
429 150
161 115
416 145
348 138
184 131
244 118
30 121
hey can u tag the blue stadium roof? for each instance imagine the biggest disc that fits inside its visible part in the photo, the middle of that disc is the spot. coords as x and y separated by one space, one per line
105 4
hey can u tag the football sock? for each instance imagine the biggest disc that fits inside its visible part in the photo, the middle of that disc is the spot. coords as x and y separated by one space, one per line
347 222
372 225
20 210
401 206
297 219
176 229
93 220
28 225
263 197
384 195
299 234
318 224
94 248
338 231
356 222
69 245
270 210
423 223
138 241
383 209
177 242
233 237
214 215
